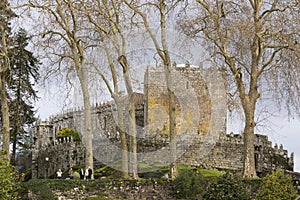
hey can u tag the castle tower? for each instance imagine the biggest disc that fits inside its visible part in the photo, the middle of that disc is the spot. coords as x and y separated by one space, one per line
42 138
200 99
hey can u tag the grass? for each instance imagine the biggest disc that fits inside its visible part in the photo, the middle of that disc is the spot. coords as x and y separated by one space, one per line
210 173
152 171
204 172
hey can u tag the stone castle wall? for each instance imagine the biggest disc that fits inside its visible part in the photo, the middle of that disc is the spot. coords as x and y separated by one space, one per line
227 153
64 153
200 121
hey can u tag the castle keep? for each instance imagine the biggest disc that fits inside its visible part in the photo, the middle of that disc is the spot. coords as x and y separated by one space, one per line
201 139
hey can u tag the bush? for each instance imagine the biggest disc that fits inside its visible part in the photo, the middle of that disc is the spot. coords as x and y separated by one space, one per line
277 186
39 187
227 187
68 132
43 188
8 183
189 184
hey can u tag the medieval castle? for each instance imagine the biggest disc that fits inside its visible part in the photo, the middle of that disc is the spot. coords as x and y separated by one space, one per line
201 139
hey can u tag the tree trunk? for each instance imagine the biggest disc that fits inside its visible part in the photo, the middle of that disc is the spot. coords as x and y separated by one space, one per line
250 100
14 148
249 160
172 125
168 72
120 109
5 119
88 135
4 104
132 129
123 139
132 120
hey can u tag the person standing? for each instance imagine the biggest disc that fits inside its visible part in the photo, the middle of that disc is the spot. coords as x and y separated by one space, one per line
90 172
71 173
59 174
81 173
86 174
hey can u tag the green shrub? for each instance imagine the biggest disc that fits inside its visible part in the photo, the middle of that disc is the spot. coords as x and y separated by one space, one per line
40 187
227 187
43 188
76 175
189 184
8 180
68 132
277 186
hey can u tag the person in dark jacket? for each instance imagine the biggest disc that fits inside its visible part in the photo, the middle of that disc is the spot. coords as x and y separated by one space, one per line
90 172
81 173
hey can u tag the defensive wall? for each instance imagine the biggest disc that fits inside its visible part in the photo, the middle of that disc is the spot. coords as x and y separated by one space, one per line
201 139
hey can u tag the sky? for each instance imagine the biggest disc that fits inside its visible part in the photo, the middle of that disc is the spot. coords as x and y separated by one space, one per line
287 133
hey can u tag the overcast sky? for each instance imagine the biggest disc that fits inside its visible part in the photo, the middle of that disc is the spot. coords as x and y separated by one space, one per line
287 133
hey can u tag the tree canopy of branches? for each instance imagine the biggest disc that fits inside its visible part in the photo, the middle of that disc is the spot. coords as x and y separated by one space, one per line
257 43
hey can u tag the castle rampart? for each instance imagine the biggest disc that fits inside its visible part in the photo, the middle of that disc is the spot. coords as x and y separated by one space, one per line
200 120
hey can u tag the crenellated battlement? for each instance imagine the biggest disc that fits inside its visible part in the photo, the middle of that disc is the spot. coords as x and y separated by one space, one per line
203 92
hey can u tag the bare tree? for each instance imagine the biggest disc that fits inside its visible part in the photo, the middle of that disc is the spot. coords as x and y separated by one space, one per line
103 11
161 45
257 43
64 40
106 18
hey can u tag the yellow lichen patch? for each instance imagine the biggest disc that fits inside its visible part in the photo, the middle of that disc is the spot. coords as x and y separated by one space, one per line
158 112
204 128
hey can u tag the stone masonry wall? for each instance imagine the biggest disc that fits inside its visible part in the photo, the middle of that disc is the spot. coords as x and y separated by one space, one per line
63 155
200 100
228 154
